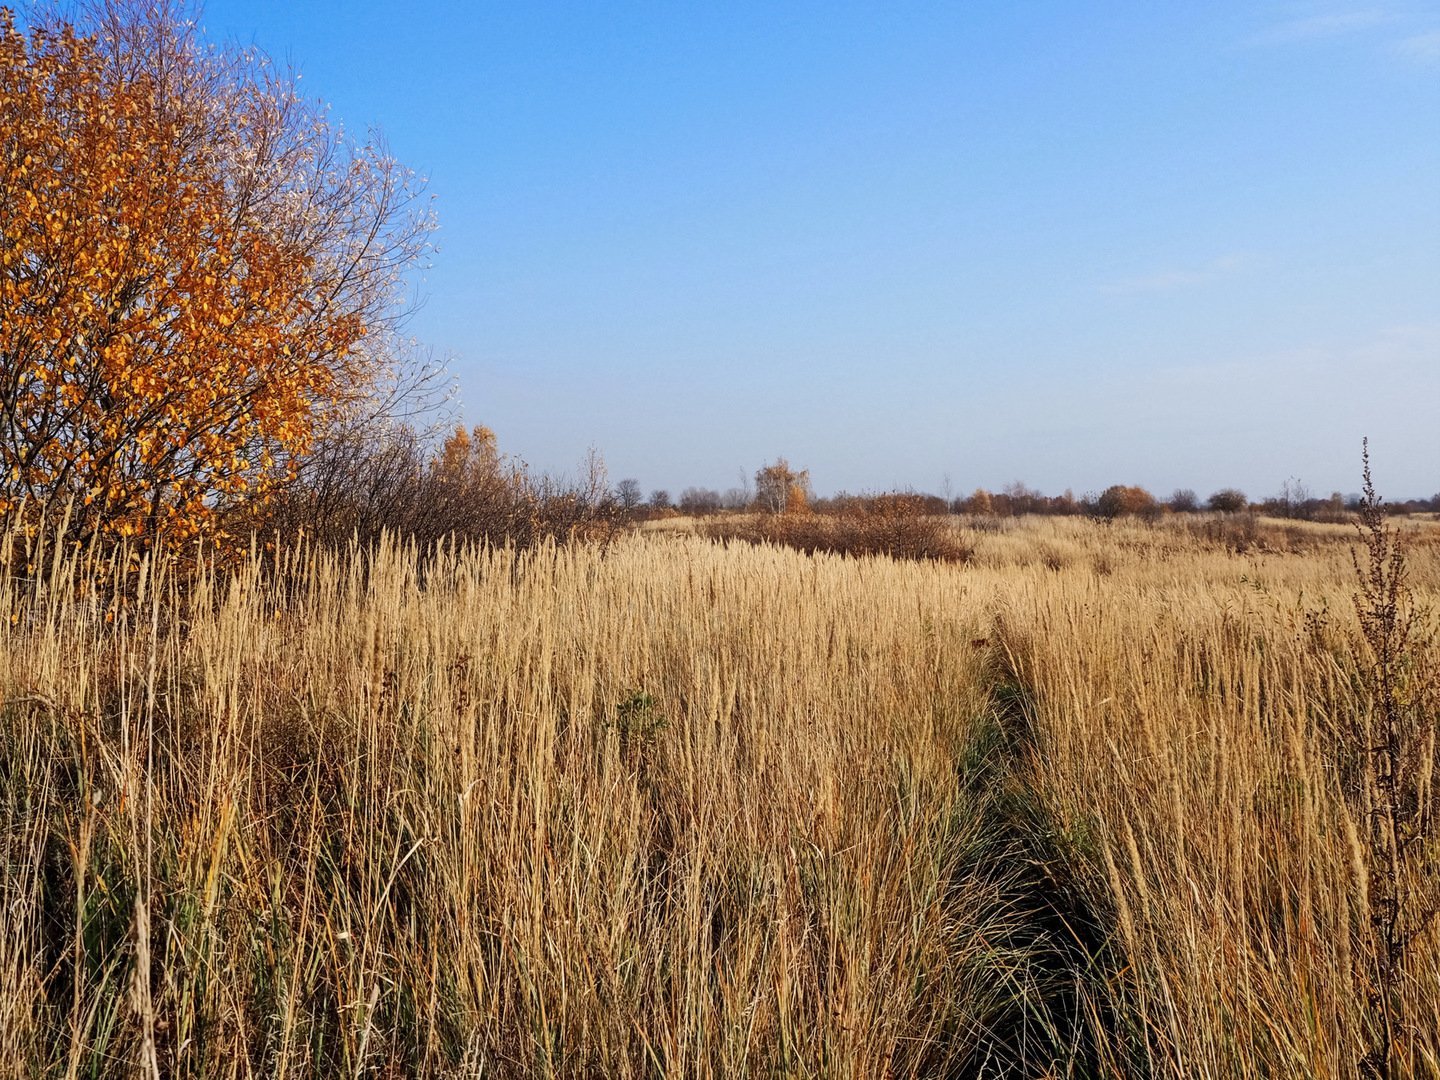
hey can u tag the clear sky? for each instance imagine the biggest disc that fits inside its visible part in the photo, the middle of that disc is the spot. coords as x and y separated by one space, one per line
1072 244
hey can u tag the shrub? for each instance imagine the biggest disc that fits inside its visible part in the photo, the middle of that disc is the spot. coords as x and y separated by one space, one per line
1228 501
980 503
898 525
1119 500
385 478
699 501
1184 501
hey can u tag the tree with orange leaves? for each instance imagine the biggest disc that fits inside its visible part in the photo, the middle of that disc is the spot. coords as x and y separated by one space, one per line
779 489
197 271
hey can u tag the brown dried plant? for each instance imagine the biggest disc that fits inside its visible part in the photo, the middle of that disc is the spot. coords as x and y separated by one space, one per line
1395 739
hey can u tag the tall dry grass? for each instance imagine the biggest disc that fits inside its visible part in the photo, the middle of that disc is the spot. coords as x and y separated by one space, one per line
666 811
1080 807
1194 743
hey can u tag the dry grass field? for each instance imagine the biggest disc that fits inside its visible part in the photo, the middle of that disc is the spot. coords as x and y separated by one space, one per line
1087 803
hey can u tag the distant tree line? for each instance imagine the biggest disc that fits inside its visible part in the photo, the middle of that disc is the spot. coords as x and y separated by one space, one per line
779 488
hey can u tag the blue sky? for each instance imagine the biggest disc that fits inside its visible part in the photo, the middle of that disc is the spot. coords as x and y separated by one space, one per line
909 244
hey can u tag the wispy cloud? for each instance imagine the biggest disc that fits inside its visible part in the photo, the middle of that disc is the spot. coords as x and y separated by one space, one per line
1178 278
1423 47
1411 34
1328 25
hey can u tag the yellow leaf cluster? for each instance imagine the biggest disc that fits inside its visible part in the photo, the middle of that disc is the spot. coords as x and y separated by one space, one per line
164 348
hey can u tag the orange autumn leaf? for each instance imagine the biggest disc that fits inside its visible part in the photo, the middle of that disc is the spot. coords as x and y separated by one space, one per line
194 270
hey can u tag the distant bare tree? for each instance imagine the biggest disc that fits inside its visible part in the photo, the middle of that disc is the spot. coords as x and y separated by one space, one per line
660 499
1184 501
1293 501
735 498
1022 499
1228 501
698 500
628 494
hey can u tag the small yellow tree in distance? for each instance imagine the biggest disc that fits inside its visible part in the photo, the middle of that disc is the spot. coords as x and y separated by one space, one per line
780 489
470 456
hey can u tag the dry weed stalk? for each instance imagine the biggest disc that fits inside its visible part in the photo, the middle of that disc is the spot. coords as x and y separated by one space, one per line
1396 740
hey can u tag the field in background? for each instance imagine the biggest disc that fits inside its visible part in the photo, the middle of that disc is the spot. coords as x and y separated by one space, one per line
1073 805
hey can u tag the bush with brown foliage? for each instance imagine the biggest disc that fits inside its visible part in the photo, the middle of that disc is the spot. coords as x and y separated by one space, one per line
386 479
980 504
1237 533
1120 500
899 525
1014 501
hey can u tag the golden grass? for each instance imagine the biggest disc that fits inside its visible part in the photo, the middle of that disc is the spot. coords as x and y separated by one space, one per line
1188 718
672 809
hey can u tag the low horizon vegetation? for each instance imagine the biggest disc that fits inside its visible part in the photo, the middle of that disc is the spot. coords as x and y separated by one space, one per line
1293 501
